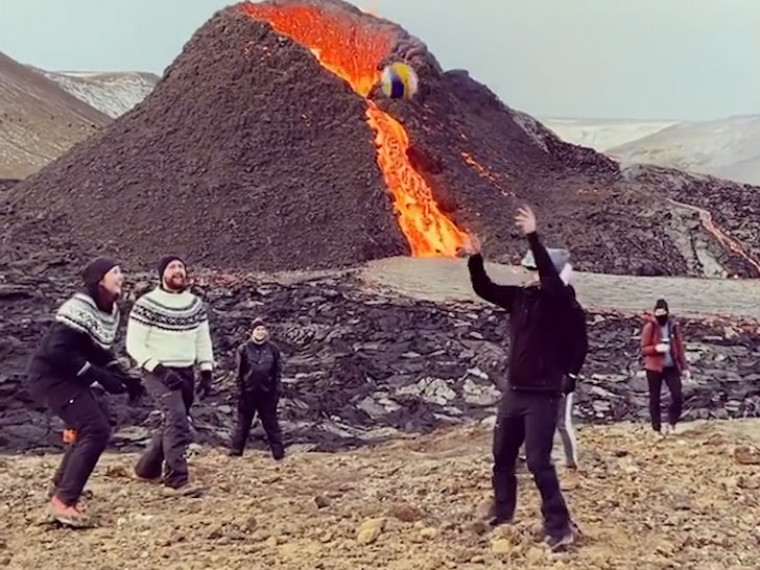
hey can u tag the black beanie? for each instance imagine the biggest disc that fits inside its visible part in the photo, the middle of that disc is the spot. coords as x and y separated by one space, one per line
94 272
661 304
164 263
258 322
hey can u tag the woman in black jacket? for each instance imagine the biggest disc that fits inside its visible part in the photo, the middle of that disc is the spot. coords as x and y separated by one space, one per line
259 382
75 355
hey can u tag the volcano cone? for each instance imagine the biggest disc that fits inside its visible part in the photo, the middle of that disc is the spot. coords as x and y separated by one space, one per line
268 145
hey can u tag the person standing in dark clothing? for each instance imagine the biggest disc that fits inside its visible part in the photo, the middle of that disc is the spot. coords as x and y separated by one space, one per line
259 382
530 403
664 361
73 358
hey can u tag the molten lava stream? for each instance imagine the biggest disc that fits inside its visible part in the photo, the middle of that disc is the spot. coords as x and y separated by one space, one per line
429 231
352 52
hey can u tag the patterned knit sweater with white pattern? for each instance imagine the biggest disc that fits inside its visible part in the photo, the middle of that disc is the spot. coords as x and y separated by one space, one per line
170 329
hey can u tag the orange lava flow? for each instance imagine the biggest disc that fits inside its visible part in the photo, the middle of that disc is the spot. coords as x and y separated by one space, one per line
347 49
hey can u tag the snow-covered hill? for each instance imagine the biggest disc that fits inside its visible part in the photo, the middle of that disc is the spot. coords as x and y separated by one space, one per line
111 93
39 121
603 134
727 148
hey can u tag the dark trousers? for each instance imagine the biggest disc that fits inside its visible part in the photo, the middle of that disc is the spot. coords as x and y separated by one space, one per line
530 417
265 405
167 449
93 431
100 398
672 378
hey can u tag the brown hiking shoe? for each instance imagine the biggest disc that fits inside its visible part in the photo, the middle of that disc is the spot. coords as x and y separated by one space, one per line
570 479
186 490
67 515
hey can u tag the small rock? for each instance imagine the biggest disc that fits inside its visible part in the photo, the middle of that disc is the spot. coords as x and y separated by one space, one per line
429 533
747 455
370 530
322 502
250 524
501 546
406 512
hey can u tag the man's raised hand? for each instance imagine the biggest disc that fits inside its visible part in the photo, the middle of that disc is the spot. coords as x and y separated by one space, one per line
471 246
525 220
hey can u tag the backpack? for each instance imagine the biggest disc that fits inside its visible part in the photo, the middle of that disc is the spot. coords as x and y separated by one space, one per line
576 347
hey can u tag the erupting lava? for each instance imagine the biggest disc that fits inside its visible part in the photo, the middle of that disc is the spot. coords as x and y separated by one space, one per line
352 52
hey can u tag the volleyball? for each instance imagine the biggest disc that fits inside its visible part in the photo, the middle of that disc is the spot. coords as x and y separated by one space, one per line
399 81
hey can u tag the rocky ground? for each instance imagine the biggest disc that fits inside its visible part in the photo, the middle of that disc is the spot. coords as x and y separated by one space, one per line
691 501
369 358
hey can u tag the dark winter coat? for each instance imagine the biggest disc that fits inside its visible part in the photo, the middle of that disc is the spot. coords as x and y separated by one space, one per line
259 368
539 322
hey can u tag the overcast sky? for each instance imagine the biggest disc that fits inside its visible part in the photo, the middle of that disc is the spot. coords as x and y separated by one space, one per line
644 59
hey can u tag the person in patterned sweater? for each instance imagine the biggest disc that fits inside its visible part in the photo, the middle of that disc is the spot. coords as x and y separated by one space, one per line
167 335
73 360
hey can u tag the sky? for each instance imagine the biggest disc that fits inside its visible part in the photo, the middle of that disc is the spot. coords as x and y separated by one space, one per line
617 59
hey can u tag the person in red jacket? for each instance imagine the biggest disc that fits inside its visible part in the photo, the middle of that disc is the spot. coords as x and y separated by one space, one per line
664 361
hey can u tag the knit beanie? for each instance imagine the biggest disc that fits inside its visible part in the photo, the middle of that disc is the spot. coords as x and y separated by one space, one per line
559 257
94 272
164 263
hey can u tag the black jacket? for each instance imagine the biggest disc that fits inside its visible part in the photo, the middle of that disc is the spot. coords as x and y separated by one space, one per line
538 322
259 367
80 337
577 336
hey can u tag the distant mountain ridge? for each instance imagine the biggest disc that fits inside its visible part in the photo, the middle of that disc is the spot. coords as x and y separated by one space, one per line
727 148
112 93
39 120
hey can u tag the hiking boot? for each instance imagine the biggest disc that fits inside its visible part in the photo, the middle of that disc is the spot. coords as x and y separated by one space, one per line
570 479
278 452
184 490
145 479
494 518
235 453
67 515
560 543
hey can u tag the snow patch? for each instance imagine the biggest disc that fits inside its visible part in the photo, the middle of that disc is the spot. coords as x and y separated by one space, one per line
602 134
111 93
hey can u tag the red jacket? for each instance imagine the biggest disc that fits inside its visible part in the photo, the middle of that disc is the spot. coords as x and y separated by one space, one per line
651 337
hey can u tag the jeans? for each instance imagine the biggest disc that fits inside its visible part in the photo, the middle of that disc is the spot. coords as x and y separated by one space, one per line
672 378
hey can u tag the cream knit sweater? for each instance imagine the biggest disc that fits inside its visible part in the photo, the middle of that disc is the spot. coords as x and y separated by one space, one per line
170 329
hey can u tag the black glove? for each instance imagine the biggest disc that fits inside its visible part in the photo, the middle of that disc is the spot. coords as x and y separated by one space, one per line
111 383
169 377
136 391
568 383
204 386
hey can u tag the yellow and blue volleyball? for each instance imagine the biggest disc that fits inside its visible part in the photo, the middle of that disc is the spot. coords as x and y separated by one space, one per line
399 81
